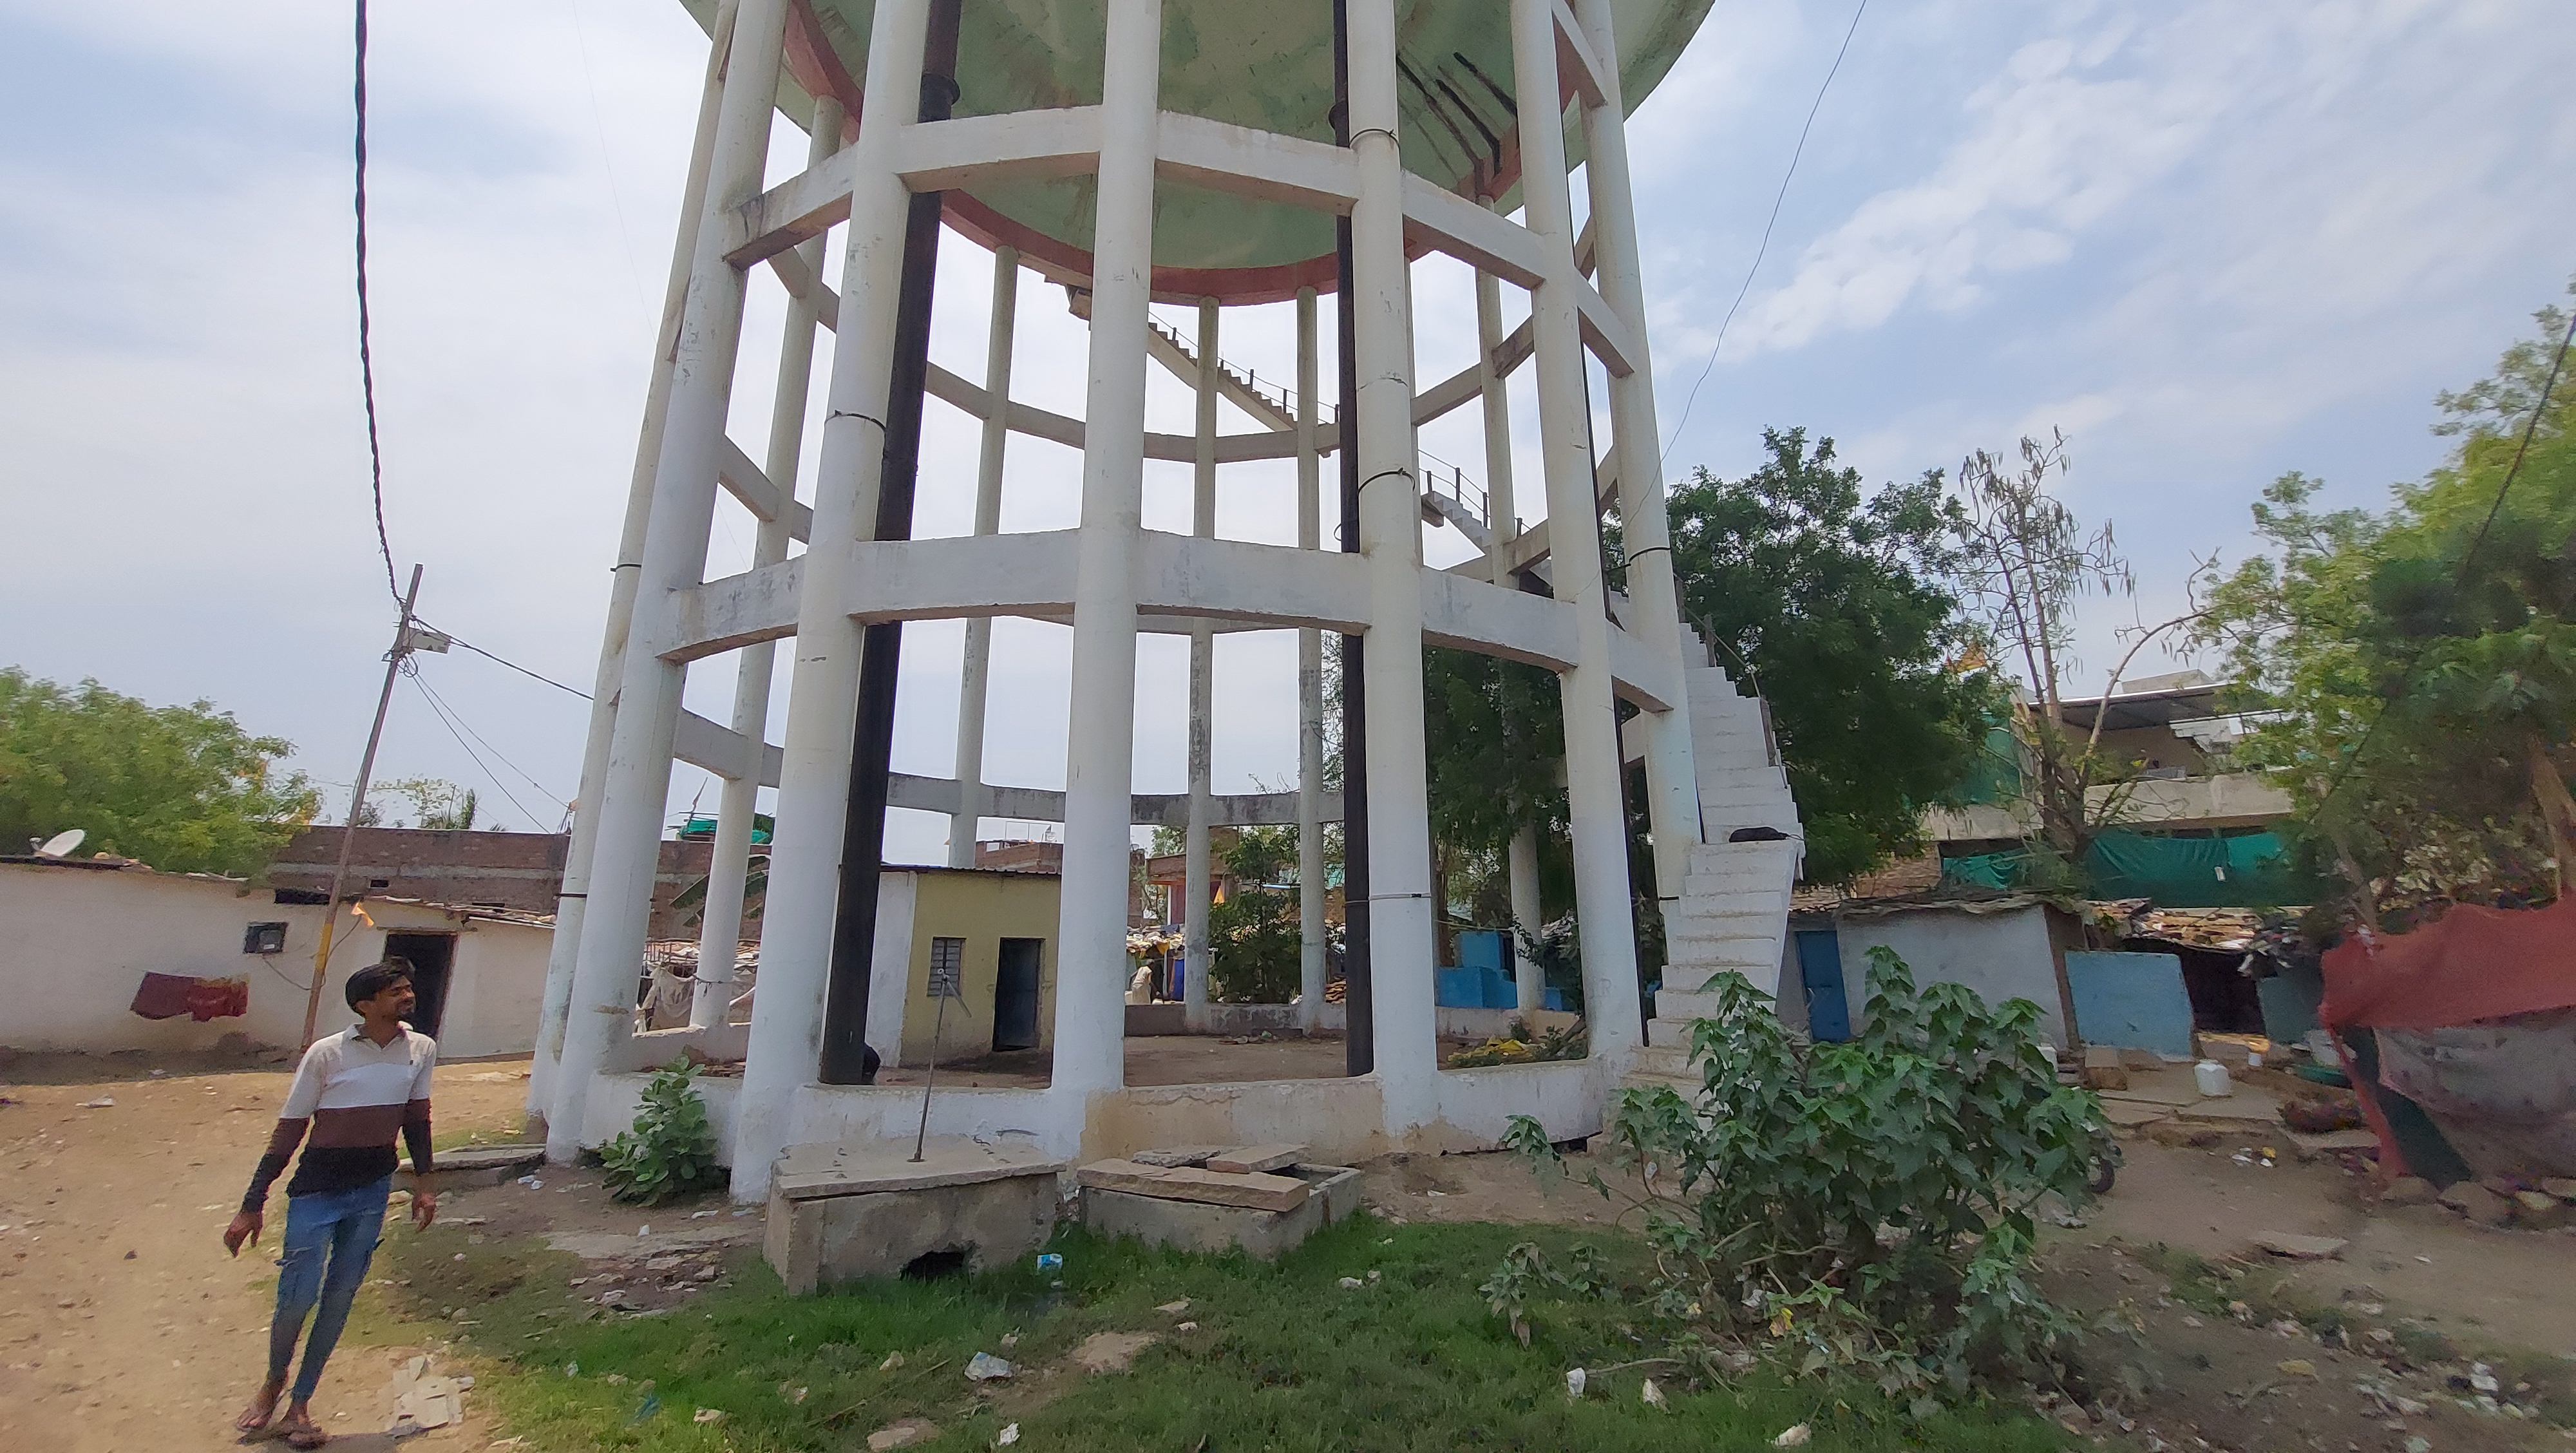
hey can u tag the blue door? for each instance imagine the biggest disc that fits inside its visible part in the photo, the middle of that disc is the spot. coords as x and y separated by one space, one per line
1820 971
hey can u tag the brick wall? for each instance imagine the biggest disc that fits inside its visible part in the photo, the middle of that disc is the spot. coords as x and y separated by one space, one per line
522 870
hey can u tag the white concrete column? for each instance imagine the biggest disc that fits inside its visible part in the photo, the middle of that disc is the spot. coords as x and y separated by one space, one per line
729 863
814 779
1500 519
1529 983
1197 871
1090 1004
975 681
1672 774
1401 922
573 898
1594 811
636 788
1312 968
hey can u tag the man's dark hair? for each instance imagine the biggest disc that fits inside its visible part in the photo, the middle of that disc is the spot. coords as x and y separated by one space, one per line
374 979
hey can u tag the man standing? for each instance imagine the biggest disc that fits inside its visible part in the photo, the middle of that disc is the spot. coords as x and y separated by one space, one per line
354 1091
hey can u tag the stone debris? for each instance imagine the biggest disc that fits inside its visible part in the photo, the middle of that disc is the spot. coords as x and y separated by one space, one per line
1252 1159
902 1433
1174 1309
2103 1068
2563 1187
1793 1436
1352 1283
892 1361
1173 1157
2408 1191
985 1367
103 1102
2301 1248
2538 1209
423 1401
1107 1352
708 1415
2483 1207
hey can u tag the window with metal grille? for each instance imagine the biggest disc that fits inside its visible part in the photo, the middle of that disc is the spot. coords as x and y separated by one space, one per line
947 968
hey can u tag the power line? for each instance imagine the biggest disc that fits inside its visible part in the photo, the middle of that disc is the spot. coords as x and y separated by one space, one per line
458 640
1765 247
2406 679
488 774
366 356
451 710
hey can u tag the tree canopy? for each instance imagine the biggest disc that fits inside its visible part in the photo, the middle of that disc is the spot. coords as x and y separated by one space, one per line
182 788
1836 603
2422 661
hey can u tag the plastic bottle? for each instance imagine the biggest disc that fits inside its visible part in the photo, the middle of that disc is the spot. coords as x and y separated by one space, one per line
2211 1078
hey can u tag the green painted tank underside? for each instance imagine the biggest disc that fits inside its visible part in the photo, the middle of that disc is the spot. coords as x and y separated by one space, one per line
1259 63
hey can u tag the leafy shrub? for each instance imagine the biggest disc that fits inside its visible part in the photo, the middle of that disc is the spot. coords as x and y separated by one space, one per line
1521 1045
1861 1208
670 1151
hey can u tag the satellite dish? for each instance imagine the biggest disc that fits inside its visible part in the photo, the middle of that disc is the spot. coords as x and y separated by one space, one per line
61 844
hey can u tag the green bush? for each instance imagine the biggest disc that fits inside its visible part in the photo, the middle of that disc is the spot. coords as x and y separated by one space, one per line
1861 1208
670 1151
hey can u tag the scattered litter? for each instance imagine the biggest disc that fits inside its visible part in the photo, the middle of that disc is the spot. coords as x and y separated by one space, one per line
572 1369
1186 1327
1010 1339
1653 1395
160 1074
892 1361
1049 1261
101 1103
1373 1276
1174 1309
1352 1283
792 1394
644 1230
1793 1436
423 1401
985 1367
708 1415
700 1215
1008 1436
902 1434
1574 1380
646 1409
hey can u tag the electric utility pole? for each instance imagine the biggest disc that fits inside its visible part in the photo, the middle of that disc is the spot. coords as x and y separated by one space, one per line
404 641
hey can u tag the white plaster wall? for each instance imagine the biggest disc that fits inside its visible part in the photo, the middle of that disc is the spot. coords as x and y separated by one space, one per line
76 942
2000 955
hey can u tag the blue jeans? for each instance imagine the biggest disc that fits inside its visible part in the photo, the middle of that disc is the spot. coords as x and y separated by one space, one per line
330 1236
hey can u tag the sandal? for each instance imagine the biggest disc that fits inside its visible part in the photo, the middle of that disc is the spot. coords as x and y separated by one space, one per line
263 1407
300 1431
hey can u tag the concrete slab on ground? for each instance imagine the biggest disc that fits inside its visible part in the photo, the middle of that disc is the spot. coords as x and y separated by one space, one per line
1334 1192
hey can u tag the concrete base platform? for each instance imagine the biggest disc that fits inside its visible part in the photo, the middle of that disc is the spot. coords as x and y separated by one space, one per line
843 1213
1333 1193
480 1165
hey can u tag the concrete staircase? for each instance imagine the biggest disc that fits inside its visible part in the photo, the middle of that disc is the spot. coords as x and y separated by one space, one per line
1734 908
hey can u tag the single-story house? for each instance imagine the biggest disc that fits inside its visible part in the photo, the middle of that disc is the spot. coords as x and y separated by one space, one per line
79 936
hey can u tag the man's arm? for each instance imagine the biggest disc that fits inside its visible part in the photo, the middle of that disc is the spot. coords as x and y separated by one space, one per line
424 1196
272 1163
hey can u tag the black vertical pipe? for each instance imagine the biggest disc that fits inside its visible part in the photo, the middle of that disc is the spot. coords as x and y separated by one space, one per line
1359 1005
854 921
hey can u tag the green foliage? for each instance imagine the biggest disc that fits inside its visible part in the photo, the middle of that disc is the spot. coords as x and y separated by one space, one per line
1860 1209
1254 936
1557 949
436 803
671 1151
1284 1358
1836 608
2422 661
182 788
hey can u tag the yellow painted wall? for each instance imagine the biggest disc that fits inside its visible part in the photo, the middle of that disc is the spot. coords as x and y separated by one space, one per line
982 908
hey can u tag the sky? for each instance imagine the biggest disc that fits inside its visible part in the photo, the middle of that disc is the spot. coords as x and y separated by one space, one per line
2212 242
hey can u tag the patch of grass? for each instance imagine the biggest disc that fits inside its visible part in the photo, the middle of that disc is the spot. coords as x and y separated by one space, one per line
1284 1357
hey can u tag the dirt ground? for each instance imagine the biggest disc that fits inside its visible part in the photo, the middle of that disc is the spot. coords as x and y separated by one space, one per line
123 1326
2365 1350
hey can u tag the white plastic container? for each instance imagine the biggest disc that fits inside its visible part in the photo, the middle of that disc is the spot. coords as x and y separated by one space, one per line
2211 1078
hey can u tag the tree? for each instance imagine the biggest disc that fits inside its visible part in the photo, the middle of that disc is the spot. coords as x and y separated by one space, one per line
1836 608
436 803
1254 935
2024 561
1494 735
2422 661
182 788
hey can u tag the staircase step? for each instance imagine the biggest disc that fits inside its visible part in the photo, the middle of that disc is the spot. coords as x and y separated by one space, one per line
1664 1059
1685 1004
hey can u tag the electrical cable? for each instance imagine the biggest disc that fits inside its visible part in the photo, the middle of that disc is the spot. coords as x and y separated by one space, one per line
545 791
2531 427
454 639
488 774
1765 247
366 356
